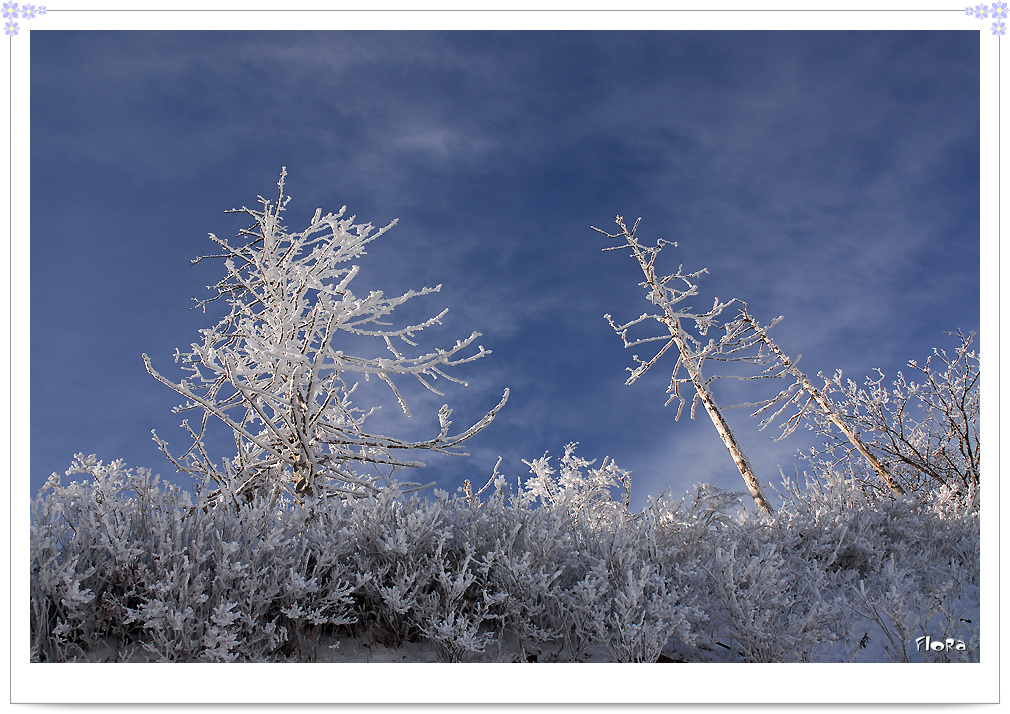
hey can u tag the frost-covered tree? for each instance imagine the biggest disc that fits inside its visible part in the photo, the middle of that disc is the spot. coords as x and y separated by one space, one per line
748 341
692 348
279 367
924 426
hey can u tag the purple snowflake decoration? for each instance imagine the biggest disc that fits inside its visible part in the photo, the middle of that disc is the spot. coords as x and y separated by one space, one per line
11 11
999 12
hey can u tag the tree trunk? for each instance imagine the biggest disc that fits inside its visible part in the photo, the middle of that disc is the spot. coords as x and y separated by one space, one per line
852 436
739 458
829 412
721 426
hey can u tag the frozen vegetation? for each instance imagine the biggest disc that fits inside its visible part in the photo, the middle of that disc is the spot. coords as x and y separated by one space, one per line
126 567
305 546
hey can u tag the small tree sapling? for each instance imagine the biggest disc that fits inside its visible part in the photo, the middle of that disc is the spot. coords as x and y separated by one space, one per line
275 368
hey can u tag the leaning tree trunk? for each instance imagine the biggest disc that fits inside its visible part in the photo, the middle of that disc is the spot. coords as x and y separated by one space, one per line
721 426
664 294
826 407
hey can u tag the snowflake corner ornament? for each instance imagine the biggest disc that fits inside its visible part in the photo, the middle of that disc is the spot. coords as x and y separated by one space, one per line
11 12
998 11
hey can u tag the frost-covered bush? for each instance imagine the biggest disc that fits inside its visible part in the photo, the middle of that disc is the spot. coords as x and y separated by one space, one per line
626 593
558 569
772 608
584 492
644 607
760 604
528 557
415 578
907 567
838 568
125 561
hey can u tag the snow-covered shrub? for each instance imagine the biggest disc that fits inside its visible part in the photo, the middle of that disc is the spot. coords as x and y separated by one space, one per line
924 583
584 492
526 557
395 541
126 565
785 587
182 582
621 592
770 608
85 565
452 618
689 526
754 601
414 577
906 567
644 607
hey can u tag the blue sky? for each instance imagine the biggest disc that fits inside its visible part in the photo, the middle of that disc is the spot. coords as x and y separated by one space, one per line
829 177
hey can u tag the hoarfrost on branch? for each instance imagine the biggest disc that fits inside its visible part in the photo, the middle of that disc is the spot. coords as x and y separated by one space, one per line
274 369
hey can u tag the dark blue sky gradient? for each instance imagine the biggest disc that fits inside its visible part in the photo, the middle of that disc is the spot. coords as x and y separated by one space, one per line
830 177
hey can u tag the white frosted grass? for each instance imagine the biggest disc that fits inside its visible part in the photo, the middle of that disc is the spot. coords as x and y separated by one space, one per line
126 568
